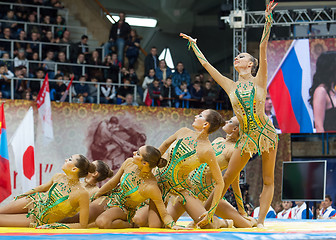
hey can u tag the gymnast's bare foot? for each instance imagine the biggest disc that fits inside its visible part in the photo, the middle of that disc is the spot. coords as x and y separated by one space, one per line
260 225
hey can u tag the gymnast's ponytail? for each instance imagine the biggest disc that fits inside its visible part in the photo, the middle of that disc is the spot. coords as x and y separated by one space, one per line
215 120
84 166
153 157
103 170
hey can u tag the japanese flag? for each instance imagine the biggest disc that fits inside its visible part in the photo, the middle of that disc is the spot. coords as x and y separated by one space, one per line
22 144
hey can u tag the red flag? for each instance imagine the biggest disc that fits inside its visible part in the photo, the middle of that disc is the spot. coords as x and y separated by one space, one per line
66 91
5 182
44 109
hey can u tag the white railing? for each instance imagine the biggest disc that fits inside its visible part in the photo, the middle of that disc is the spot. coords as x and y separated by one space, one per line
38 8
72 86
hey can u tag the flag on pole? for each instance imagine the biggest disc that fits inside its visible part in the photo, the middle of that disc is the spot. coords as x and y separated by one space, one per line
22 143
66 91
44 109
5 180
289 90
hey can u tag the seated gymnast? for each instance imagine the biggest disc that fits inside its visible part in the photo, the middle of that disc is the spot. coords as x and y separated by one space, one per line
128 190
63 196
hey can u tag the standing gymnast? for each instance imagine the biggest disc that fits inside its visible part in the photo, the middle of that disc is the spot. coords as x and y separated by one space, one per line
247 96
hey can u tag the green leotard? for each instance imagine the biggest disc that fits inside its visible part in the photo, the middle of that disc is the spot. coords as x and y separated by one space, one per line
257 133
50 207
182 159
126 195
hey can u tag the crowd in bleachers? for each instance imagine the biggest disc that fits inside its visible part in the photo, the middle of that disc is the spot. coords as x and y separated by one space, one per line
34 43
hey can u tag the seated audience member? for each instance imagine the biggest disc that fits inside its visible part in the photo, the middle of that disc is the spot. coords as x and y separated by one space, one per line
299 211
163 71
270 214
123 91
129 101
154 94
196 93
82 89
20 84
20 59
78 70
147 80
115 67
80 47
108 92
327 210
182 93
63 69
168 93
95 59
151 60
58 88
286 213
5 80
21 45
6 61
210 95
33 46
180 75
49 64
26 95
93 90
35 86
5 47
33 66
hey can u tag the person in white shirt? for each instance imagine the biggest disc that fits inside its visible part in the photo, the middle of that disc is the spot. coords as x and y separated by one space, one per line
286 213
299 211
270 214
327 210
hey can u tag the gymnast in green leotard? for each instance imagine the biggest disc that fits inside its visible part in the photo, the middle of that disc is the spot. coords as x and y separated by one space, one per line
247 96
133 184
47 204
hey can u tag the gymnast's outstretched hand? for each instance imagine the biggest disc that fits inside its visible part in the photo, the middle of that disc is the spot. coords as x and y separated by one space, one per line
269 8
190 39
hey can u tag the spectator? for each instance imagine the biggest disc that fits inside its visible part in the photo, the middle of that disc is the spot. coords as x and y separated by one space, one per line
154 94
44 28
148 80
108 92
63 69
81 47
327 210
10 17
58 88
132 48
5 60
209 95
78 70
93 91
95 60
299 211
34 86
168 93
32 27
20 59
26 95
286 213
65 40
163 72
118 35
20 85
5 45
60 29
49 64
123 91
151 60
196 93
180 75
5 80
34 46
21 45
48 38
270 214
82 89
133 76
115 67
182 93
129 101
33 66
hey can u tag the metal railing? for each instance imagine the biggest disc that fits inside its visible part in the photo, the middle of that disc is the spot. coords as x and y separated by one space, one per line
38 8
82 30
72 86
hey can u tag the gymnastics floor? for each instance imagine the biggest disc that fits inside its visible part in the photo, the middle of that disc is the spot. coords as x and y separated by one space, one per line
274 229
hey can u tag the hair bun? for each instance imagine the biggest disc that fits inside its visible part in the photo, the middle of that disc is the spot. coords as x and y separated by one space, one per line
92 168
162 162
110 174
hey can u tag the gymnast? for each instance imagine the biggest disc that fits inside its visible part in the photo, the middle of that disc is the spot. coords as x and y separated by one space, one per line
247 96
188 149
133 184
63 196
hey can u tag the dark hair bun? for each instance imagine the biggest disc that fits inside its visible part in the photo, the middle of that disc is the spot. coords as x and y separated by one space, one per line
110 174
92 168
161 163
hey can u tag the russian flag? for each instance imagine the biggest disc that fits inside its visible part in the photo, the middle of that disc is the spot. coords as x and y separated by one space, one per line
5 181
289 90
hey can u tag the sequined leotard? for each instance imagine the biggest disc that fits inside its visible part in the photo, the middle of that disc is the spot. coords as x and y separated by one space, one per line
182 159
257 133
126 195
201 178
50 207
